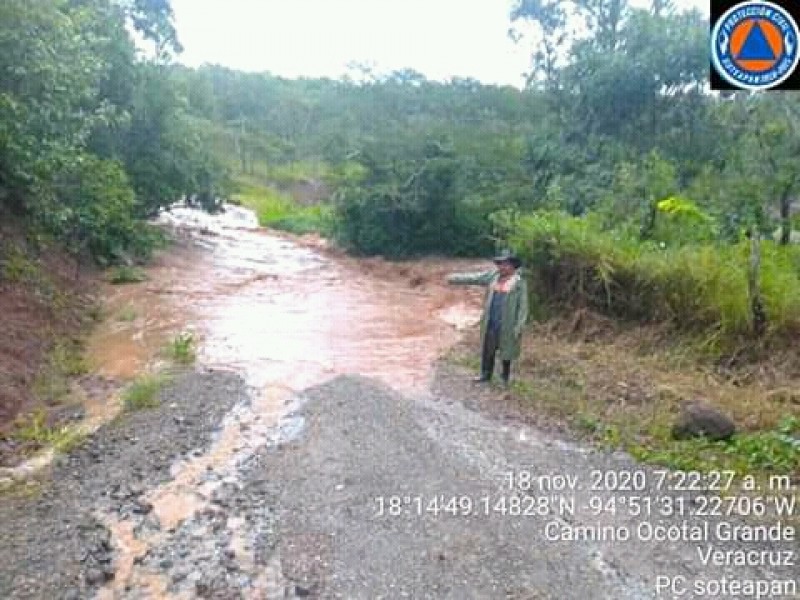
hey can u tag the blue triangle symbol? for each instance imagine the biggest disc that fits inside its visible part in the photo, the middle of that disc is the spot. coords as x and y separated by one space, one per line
756 47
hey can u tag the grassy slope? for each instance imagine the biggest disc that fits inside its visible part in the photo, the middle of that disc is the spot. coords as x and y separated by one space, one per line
622 388
279 210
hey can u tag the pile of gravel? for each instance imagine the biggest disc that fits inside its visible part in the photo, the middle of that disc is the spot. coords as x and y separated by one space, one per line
52 544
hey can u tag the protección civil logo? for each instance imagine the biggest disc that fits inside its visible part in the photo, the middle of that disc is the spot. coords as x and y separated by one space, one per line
754 45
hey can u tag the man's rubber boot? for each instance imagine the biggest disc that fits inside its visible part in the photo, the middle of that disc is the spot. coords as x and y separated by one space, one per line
506 375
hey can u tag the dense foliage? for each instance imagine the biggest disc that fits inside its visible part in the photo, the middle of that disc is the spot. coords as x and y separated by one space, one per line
92 137
619 123
649 190
696 287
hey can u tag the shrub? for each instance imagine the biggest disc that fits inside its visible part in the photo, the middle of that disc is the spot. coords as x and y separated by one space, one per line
400 215
680 221
143 393
94 210
697 287
34 429
181 349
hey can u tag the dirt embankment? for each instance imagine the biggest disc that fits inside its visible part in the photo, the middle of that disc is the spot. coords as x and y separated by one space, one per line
45 300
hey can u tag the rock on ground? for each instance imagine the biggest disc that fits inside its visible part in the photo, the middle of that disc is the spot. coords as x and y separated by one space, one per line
698 419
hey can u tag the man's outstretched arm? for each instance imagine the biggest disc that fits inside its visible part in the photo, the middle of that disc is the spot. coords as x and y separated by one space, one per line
483 278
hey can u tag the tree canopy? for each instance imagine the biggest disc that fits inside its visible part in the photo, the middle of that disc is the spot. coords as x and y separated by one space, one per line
616 123
78 106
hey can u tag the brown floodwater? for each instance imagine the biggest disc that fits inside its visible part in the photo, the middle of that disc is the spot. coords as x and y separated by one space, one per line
285 314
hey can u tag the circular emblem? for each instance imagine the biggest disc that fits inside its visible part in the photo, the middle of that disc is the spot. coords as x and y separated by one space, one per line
754 45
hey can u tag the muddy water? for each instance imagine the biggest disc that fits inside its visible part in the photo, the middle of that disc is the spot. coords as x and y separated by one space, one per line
285 315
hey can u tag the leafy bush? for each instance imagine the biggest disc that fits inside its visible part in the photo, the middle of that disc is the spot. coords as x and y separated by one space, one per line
701 287
92 209
680 221
412 209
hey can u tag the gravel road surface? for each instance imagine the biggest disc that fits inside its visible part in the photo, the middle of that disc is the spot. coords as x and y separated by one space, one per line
365 493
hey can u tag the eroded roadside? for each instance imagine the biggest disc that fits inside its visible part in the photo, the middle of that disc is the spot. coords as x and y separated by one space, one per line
54 543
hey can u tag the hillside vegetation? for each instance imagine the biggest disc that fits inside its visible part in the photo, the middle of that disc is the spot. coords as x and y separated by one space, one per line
625 185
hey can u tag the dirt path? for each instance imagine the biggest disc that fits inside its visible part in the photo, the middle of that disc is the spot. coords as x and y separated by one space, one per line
317 452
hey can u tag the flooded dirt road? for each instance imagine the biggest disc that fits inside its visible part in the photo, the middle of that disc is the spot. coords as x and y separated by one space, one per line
283 315
283 312
318 450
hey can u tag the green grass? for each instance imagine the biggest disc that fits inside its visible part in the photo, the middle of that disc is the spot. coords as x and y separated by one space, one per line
699 288
609 395
69 359
649 439
18 267
66 360
143 392
50 386
463 359
125 274
775 451
127 314
309 219
277 210
182 348
298 171
34 429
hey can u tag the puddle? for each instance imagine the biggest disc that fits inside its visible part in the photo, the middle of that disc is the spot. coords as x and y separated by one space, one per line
284 316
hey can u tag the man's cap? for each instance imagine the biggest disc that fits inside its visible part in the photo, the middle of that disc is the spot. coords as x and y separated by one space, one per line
508 256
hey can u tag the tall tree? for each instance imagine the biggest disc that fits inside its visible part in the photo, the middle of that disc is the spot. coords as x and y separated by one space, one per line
48 96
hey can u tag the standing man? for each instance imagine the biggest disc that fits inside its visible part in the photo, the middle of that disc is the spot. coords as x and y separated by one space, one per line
505 312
